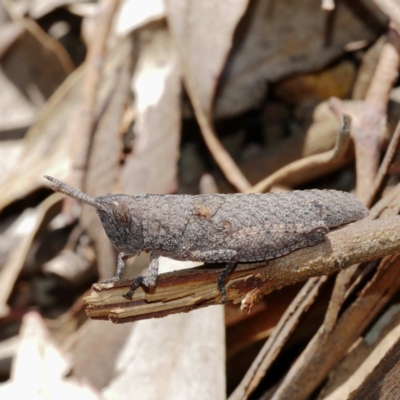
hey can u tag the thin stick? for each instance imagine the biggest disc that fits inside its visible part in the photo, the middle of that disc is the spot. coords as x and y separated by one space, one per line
311 162
279 337
218 151
381 178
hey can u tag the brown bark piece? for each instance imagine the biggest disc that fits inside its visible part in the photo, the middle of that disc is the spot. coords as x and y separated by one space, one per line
383 382
327 348
279 337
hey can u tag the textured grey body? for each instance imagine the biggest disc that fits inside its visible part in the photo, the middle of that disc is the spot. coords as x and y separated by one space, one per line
234 227
218 228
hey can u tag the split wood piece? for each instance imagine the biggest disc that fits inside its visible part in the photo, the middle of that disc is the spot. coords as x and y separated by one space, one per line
385 206
377 342
185 290
279 337
328 347
382 175
383 381
311 162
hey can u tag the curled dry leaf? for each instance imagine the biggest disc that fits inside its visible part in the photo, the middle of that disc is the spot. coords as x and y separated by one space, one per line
305 165
48 145
279 39
318 138
30 73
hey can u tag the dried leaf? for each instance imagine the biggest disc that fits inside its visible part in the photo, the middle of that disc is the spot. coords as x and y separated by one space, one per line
95 349
152 168
282 38
48 145
39 369
327 347
104 160
10 272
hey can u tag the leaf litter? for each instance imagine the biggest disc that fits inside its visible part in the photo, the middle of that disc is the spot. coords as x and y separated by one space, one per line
195 97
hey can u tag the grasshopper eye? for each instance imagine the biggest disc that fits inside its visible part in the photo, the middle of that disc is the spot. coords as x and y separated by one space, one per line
121 214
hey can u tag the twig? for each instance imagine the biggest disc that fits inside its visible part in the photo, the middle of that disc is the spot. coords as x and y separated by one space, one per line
41 36
385 204
94 65
328 347
186 290
386 71
218 151
311 162
281 333
369 119
381 177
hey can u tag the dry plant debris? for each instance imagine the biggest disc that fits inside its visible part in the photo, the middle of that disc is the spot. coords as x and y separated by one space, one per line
198 97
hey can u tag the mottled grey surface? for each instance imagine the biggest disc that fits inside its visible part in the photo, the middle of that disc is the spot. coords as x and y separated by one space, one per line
221 228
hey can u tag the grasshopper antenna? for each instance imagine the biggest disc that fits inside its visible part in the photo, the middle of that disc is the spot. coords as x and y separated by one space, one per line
61 187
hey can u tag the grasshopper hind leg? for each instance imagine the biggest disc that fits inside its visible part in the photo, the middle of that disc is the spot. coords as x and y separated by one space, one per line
221 280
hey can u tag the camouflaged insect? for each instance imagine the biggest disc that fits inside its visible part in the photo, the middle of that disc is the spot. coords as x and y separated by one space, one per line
219 228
